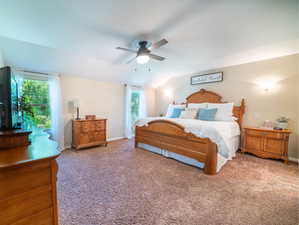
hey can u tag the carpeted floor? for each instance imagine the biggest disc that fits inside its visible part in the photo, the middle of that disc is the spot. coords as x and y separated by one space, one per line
125 186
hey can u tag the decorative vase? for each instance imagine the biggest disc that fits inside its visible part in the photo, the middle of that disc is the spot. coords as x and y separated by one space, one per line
282 125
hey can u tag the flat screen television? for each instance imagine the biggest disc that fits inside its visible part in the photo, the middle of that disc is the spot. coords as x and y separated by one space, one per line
10 115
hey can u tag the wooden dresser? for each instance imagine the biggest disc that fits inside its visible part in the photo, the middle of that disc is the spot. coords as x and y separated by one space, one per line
28 184
89 133
266 143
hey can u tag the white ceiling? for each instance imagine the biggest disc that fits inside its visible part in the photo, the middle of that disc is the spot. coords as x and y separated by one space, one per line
78 37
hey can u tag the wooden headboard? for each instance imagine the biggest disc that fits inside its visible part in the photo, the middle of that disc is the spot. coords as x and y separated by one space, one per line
212 97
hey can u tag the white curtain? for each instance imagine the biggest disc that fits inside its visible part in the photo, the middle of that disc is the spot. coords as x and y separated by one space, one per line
56 111
142 108
142 105
128 119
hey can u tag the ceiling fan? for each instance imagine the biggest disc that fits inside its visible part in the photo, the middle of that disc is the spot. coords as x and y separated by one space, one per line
143 54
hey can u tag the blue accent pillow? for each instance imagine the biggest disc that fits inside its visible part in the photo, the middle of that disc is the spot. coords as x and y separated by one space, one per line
207 114
176 113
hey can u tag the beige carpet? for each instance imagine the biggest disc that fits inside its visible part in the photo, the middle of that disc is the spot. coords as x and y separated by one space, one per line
122 185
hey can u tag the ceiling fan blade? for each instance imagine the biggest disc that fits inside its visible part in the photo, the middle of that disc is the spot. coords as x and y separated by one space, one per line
160 58
159 43
131 60
126 49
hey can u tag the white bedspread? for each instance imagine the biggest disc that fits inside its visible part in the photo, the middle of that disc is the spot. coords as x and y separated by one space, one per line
220 132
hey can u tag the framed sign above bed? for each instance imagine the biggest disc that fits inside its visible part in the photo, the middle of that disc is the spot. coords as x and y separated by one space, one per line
207 78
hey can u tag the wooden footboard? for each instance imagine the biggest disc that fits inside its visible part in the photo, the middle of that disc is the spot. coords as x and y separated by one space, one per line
171 136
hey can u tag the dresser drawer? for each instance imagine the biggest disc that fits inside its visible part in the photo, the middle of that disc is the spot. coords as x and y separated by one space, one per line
24 205
25 178
87 126
44 217
100 125
84 127
100 136
84 138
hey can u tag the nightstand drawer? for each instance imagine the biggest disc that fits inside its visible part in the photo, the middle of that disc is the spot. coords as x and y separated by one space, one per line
267 134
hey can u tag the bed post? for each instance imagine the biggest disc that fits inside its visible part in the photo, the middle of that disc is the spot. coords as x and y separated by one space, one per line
211 160
242 111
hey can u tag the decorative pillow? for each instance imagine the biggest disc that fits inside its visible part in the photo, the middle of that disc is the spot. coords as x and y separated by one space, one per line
207 114
189 113
176 113
224 112
198 105
171 107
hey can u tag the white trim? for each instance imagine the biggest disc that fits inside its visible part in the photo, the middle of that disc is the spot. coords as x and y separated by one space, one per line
114 139
292 159
35 74
109 139
66 147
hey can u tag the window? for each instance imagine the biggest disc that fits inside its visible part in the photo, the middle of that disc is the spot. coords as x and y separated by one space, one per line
35 96
135 106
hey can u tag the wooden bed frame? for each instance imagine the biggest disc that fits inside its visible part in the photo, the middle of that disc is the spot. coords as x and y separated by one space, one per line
172 137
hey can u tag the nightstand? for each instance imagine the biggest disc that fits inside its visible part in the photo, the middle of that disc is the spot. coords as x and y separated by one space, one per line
266 143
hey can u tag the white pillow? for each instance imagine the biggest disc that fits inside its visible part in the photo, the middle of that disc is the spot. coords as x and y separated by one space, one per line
224 111
198 105
189 113
170 109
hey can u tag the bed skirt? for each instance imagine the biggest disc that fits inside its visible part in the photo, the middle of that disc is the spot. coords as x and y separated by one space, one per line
220 162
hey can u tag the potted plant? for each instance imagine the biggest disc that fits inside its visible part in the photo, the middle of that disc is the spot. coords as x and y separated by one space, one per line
282 122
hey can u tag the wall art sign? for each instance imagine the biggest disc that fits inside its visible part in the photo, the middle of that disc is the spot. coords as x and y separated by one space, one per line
207 78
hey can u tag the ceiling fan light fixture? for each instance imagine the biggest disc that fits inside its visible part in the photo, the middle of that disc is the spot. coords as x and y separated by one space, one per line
142 59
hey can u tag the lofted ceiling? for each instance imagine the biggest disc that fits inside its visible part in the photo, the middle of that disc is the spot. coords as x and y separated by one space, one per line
79 37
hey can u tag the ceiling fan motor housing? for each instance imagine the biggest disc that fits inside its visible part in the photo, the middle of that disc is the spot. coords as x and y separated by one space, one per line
143 50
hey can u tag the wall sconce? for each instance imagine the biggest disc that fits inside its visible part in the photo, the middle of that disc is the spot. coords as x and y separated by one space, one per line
268 83
168 93
266 86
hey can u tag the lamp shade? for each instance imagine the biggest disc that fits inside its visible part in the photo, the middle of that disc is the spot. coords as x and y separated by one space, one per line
76 103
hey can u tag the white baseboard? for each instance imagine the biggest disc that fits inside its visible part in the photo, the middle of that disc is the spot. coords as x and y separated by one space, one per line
109 139
115 139
292 159
67 147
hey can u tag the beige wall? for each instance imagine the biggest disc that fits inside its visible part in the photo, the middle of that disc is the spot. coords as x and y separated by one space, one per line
244 81
102 99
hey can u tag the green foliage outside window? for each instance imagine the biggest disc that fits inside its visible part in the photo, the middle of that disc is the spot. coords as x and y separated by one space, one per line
135 101
35 97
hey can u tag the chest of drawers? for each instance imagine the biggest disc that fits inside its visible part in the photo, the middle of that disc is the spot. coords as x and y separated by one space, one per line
89 133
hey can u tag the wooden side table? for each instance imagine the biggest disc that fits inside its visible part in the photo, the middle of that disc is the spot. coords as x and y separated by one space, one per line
266 143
